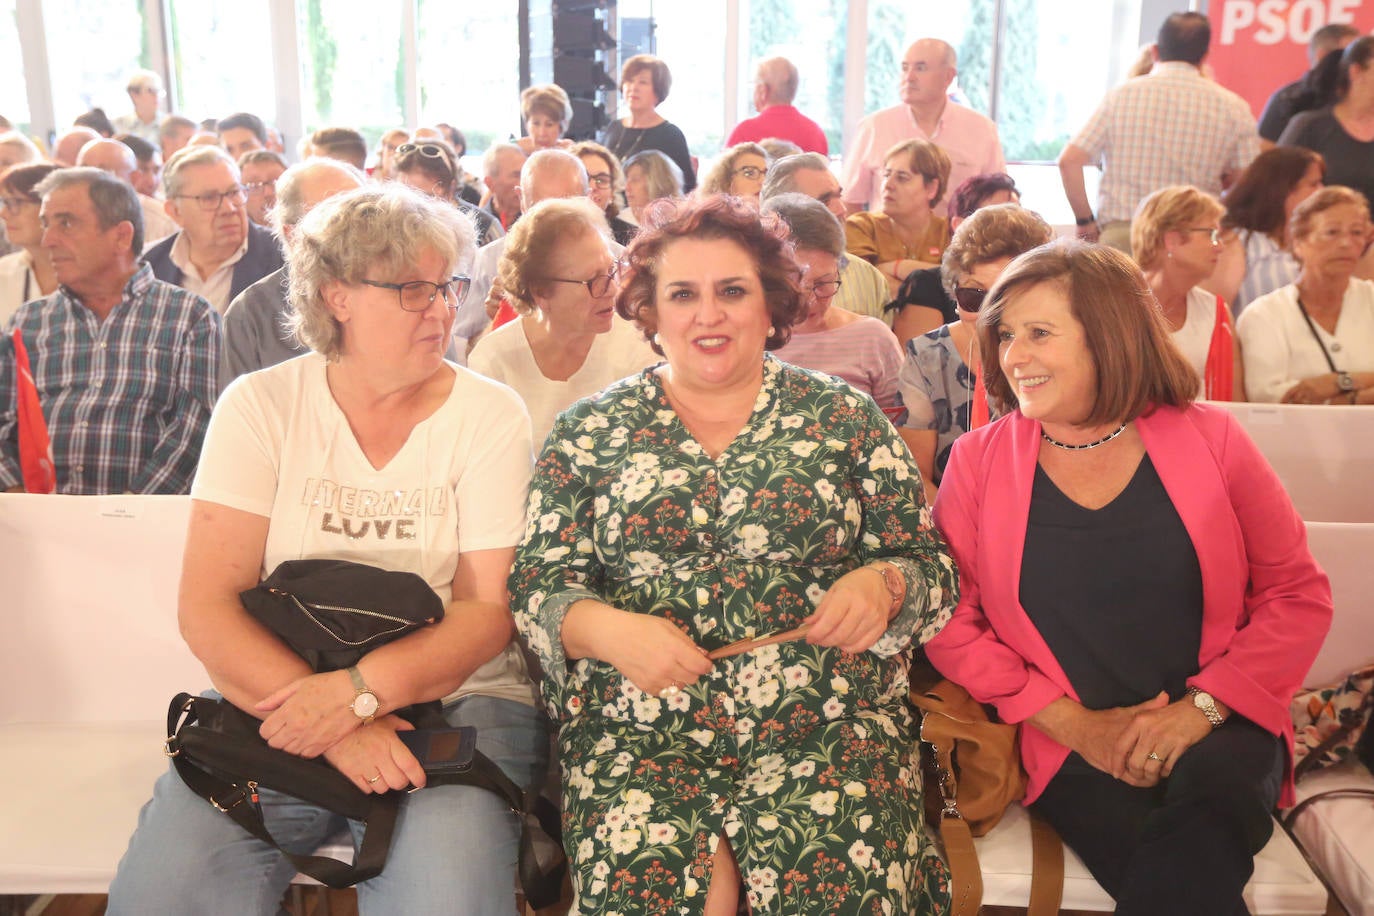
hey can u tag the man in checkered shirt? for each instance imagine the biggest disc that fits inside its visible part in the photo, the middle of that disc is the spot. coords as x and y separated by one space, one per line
125 364
1172 126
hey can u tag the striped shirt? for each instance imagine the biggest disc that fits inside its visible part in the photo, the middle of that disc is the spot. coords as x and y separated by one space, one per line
1172 126
1267 268
126 399
864 353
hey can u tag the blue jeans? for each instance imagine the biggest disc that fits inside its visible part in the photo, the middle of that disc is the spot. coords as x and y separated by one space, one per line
454 849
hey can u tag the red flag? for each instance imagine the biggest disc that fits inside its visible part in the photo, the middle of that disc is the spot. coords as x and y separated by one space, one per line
35 448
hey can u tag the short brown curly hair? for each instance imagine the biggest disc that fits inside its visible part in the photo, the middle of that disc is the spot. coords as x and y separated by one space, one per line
532 241
709 218
990 234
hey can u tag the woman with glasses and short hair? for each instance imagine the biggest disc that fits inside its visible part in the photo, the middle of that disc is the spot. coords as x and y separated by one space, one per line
941 380
740 171
1176 238
1312 342
27 273
906 234
861 350
430 166
437 461
606 181
559 274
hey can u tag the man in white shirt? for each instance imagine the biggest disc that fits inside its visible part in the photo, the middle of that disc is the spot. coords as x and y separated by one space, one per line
217 253
119 160
926 113
145 92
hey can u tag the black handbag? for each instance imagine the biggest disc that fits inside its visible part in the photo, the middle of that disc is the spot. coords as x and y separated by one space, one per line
332 613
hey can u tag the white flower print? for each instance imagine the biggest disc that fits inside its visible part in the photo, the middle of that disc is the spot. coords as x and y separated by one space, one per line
803 449
625 842
767 777
855 789
796 676
823 803
832 708
804 769
791 421
825 489
753 540
660 834
733 501
675 477
644 563
861 854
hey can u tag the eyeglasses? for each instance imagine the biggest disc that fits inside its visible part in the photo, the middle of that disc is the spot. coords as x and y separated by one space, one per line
258 187
1214 234
599 286
750 171
824 289
418 295
599 180
1335 234
211 200
970 298
12 204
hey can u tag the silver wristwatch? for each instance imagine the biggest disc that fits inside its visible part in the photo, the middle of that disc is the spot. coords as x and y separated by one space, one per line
365 702
1203 701
1345 382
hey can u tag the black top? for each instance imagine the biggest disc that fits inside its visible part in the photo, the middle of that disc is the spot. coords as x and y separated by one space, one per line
924 287
1116 592
1279 110
1349 162
622 231
666 138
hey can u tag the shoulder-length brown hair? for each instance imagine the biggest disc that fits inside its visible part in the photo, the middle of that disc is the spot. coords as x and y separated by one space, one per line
717 216
1136 363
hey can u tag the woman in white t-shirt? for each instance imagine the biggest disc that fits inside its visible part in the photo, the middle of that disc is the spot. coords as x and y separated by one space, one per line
372 449
27 273
1176 240
558 272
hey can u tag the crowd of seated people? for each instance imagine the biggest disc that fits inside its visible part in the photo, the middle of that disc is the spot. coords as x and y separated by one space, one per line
726 404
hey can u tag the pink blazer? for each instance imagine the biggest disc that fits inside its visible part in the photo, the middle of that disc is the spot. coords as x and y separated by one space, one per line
1266 604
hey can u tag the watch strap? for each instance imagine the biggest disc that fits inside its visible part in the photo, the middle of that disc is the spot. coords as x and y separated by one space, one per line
896 586
1204 702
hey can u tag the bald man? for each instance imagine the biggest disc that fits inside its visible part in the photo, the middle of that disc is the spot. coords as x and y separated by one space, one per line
114 157
68 146
546 174
775 86
926 113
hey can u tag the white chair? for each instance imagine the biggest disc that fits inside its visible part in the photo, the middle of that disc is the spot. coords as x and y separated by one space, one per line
1322 455
90 660
1338 834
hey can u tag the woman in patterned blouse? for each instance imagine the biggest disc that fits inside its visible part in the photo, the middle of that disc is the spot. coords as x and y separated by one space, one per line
723 497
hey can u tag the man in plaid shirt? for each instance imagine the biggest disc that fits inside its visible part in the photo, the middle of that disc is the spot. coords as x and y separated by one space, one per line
125 364
1172 126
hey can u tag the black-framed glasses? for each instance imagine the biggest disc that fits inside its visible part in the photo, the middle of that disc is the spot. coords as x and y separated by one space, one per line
418 295
970 298
211 200
599 286
12 204
1214 235
599 180
824 289
258 187
750 171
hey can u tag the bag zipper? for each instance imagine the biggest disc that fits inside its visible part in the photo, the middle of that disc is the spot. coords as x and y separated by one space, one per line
308 611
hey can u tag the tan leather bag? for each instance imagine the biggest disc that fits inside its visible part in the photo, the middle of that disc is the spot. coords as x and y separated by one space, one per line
977 770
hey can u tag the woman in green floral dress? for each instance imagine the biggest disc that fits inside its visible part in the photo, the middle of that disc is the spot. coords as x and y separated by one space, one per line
719 497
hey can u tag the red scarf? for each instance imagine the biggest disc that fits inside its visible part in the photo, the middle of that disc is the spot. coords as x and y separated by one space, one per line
1218 380
35 448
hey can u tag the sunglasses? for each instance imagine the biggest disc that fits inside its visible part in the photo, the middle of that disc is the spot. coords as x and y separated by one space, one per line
428 150
969 298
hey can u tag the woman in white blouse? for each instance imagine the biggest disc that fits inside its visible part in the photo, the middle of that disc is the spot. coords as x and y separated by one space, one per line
1176 239
27 273
559 273
1312 342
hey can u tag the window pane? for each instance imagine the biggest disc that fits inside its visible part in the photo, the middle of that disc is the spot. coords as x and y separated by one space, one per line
1057 63
811 34
92 47
965 24
690 38
14 102
351 71
216 72
469 69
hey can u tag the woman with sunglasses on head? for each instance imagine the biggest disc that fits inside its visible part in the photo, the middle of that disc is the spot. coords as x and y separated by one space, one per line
377 450
740 171
27 273
941 381
859 349
430 166
559 274
1176 240
1312 342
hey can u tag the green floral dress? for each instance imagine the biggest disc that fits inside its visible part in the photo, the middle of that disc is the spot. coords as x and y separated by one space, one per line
803 756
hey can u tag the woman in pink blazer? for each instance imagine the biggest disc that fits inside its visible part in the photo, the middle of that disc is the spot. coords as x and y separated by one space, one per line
1135 587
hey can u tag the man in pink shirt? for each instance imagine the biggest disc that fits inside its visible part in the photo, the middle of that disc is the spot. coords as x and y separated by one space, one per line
775 87
926 113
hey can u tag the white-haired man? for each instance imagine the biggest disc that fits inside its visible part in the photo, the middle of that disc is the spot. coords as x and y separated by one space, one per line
775 88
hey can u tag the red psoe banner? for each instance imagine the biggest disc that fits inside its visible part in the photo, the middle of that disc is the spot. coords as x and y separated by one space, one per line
1260 45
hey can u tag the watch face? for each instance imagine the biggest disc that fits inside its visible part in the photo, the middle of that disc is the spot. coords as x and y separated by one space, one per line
365 705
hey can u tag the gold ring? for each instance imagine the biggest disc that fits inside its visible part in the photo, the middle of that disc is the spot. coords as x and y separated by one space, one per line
375 778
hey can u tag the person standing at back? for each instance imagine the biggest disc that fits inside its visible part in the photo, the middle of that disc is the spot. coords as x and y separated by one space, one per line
1172 126
775 87
926 113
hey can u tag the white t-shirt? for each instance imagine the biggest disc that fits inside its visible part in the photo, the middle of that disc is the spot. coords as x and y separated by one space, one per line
16 273
279 446
1194 339
1280 351
505 355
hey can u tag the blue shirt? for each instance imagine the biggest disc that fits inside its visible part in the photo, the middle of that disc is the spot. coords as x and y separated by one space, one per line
126 399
